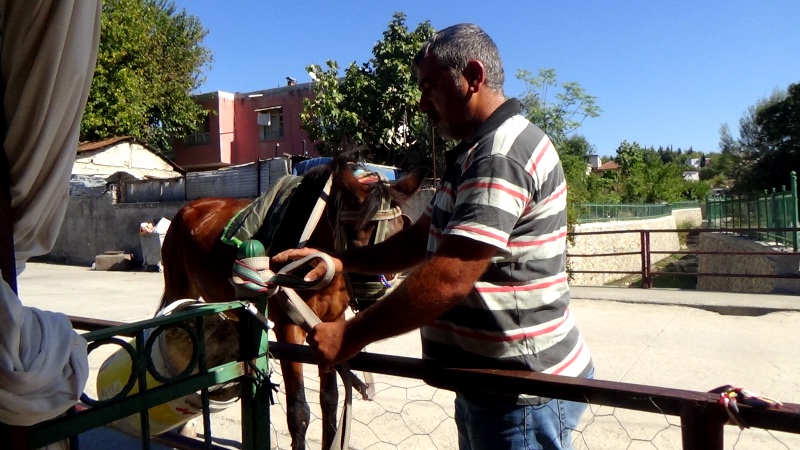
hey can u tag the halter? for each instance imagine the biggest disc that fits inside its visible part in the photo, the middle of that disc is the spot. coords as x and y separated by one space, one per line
364 293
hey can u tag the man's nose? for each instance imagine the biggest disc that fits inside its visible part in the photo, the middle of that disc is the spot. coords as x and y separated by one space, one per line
424 105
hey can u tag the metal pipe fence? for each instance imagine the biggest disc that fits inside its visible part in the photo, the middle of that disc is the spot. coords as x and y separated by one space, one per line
775 211
647 271
702 418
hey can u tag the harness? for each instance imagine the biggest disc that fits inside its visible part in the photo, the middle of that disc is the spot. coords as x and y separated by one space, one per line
365 293
276 217
252 276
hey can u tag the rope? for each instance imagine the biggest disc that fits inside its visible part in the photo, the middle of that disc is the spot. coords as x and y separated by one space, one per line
252 277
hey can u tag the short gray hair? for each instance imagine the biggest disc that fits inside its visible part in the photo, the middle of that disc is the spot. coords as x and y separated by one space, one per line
453 47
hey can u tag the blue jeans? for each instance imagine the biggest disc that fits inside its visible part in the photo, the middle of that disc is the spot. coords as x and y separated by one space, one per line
515 427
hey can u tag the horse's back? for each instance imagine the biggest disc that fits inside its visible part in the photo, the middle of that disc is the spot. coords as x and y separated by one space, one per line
196 262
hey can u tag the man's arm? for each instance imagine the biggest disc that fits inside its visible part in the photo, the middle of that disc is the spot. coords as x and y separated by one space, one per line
431 289
400 252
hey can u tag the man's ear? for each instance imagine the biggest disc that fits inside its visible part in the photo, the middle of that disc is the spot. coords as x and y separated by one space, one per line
475 74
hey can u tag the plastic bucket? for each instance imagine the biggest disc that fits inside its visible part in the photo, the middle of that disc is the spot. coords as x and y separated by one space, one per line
170 355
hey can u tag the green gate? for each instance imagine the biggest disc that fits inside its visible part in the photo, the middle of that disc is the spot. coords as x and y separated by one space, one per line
250 371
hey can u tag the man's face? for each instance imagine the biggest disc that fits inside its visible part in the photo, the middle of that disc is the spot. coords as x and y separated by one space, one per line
443 99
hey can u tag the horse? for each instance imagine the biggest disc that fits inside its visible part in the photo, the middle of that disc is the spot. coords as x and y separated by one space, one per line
197 263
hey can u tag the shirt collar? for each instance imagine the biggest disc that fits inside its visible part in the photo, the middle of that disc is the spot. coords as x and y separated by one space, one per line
508 109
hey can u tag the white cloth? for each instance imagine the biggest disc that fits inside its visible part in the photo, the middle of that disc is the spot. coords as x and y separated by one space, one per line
43 362
48 50
47 58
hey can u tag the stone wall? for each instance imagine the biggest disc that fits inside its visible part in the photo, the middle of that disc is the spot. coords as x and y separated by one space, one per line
691 217
617 243
745 264
95 225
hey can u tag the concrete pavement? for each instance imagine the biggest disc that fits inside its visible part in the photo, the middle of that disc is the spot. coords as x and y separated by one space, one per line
671 338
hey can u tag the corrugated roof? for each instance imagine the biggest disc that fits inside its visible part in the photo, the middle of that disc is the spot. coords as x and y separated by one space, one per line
86 146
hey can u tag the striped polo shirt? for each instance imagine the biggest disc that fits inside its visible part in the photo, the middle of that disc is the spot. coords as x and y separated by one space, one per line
507 189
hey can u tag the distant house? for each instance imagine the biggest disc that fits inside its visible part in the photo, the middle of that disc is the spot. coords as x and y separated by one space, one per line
124 162
691 175
123 154
610 166
241 128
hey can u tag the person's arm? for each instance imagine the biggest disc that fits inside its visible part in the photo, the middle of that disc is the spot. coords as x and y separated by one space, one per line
400 252
431 289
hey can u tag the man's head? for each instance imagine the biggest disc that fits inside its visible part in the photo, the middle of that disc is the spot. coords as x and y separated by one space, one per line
460 77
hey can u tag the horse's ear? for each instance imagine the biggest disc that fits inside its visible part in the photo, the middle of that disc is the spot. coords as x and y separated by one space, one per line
411 183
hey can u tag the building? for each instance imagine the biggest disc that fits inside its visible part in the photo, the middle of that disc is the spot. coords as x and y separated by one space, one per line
610 166
245 127
122 154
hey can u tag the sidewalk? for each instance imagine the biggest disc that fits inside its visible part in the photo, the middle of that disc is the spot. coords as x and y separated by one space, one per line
659 337
726 303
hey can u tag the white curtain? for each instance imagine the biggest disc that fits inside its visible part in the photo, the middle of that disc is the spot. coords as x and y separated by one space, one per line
48 50
47 59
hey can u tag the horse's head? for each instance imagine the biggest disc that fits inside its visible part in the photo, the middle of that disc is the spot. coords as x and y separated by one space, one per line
368 207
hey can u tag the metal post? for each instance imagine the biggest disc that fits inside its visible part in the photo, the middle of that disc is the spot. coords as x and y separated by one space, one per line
793 176
645 265
702 428
255 389
774 213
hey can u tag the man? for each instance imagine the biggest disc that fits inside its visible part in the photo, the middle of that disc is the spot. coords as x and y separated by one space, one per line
490 288
48 50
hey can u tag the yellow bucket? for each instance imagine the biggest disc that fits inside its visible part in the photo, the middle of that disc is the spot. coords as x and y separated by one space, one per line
169 360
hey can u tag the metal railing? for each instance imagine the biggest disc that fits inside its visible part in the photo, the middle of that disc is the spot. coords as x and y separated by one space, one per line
702 417
687 204
606 212
137 397
647 271
770 210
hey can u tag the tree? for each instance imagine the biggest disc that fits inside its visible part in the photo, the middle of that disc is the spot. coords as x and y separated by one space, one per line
629 155
778 141
748 155
646 178
374 104
149 61
562 116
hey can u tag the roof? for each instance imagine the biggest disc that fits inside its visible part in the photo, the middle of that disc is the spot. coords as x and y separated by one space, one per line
110 142
611 165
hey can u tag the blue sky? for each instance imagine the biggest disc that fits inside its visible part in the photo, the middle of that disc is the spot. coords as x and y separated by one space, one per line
664 72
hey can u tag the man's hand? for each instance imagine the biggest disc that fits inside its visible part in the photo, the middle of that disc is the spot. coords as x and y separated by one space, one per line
318 271
327 341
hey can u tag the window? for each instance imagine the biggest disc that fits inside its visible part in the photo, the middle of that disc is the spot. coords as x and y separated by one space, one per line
270 123
201 135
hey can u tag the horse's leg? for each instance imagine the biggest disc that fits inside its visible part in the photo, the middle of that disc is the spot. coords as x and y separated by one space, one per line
328 401
298 414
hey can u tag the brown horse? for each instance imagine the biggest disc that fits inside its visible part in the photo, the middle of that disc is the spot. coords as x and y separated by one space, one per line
198 264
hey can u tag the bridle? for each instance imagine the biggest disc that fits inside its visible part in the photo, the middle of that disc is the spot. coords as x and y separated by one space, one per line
364 293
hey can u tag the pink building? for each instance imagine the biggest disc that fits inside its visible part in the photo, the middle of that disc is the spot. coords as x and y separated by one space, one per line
244 127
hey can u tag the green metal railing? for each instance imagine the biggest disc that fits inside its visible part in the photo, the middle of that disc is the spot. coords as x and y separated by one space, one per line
596 212
137 397
775 210
687 204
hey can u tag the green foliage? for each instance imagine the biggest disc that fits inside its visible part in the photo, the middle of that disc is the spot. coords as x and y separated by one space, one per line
647 178
561 116
764 147
374 104
149 61
776 144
